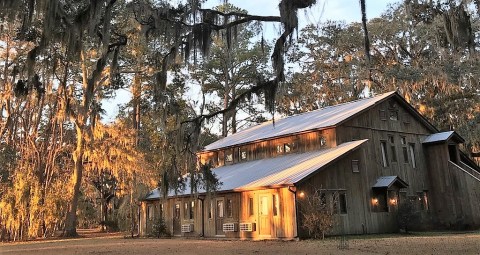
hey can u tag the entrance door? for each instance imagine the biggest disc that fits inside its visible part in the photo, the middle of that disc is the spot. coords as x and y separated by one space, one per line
265 215
176 220
219 215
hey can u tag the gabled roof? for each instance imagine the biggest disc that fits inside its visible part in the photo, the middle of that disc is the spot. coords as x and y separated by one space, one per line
388 181
318 119
271 172
443 137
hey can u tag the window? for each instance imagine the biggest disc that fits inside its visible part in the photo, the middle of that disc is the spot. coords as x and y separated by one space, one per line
393 115
210 212
186 212
411 147
176 212
341 203
383 115
279 149
287 148
250 206
192 210
393 111
275 205
393 148
403 140
355 166
423 198
383 147
243 154
162 212
323 201
323 141
229 208
228 156
220 209
221 159
150 212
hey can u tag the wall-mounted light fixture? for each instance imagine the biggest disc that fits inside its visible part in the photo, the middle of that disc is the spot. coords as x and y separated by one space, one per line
374 201
393 201
301 194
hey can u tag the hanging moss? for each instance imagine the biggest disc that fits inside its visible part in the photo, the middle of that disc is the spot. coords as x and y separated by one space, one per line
458 28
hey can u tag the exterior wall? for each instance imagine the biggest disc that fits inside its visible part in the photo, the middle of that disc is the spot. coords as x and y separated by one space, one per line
458 205
360 218
268 226
448 203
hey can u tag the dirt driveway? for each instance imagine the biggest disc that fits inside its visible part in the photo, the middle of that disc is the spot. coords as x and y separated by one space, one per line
393 244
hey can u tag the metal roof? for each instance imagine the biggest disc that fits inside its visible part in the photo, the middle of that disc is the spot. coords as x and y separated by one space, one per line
443 137
283 170
388 181
321 118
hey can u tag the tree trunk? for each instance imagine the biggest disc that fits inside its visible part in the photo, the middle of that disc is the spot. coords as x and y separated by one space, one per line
71 222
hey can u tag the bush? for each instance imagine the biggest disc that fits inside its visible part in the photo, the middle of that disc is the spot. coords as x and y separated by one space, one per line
159 228
317 214
407 216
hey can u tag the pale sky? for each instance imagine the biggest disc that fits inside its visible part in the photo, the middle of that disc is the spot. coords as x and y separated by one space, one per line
346 10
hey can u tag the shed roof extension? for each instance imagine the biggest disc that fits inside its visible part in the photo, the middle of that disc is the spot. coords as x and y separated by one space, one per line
443 137
270 172
318 119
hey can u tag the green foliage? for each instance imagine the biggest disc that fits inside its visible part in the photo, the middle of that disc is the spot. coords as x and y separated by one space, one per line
407 216
160 229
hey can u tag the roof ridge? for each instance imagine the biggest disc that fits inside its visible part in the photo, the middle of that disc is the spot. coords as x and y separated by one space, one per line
336 105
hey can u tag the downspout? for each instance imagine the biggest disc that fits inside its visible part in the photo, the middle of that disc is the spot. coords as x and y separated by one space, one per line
293 189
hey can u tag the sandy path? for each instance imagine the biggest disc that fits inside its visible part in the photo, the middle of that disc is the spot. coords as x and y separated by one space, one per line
443 244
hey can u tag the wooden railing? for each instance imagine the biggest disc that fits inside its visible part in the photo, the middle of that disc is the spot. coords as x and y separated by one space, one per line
470 170
455 166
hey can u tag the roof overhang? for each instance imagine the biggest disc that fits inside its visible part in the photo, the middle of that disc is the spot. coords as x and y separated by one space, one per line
386 182
282 171
443 137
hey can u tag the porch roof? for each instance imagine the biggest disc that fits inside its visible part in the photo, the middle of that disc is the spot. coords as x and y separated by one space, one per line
270 172
388 181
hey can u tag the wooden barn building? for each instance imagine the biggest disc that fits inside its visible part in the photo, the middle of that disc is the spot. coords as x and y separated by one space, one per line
371 155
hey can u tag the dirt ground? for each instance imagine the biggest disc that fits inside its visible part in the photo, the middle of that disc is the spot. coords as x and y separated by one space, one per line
91 243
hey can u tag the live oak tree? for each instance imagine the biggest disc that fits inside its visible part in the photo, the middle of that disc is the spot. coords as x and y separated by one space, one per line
232 68
424 49
84 42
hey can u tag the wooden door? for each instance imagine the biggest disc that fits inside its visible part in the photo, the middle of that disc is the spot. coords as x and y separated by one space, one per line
265 213
176 220
219 216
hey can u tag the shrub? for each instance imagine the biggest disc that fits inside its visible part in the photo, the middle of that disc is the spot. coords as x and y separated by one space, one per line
317 215
159 228
407 216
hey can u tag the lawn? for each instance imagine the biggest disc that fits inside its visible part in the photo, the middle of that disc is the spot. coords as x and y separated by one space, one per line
434 243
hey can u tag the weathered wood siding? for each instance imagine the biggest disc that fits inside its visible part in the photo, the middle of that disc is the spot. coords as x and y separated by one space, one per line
308 141
457 204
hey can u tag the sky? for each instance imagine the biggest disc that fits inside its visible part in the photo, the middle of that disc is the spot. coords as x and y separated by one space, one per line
344 10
